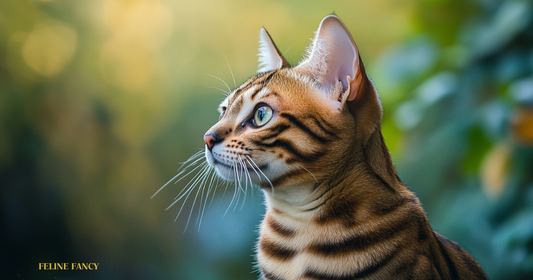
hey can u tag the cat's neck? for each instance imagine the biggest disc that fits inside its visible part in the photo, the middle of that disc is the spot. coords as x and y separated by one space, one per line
372 174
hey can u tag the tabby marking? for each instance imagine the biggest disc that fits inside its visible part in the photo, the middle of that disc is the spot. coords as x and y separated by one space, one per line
310 137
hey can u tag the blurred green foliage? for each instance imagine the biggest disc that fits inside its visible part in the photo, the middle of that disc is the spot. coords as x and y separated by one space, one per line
101 100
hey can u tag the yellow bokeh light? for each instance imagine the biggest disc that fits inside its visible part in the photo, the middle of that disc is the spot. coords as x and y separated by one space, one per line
130 57
49 47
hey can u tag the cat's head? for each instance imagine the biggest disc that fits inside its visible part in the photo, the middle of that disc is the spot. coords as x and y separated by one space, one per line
297 125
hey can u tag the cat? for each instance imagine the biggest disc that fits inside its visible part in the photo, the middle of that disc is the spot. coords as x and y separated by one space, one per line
310 137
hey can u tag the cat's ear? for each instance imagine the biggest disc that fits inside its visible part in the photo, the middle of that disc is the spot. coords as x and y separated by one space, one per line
334 62
270 58
332 58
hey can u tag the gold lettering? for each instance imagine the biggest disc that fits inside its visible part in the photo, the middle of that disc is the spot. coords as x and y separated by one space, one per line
53 266
68 266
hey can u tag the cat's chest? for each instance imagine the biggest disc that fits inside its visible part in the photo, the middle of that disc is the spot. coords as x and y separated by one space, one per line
300 248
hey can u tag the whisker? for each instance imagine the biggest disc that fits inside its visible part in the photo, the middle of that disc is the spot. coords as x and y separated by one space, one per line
298 165
227 62
235 191
259 169
201 188
210 187
247 178
187 197
189 187
229 89
244 171
203 165
213 185
186 163
223 91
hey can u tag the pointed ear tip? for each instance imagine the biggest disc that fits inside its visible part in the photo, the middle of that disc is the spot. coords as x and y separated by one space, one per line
331 17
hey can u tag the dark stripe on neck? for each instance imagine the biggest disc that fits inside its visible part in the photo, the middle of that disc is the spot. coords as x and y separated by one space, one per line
449 263
276 251
270 276
338 211
363 242
283 178
367 271
384 183
278 228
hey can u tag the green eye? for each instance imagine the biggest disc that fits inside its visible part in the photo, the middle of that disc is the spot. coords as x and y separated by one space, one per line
262 115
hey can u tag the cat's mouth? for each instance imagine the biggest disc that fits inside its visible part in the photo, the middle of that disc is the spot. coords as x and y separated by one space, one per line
218 163
239 168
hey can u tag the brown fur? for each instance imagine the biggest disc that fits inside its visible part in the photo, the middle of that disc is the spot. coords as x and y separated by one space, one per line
336 208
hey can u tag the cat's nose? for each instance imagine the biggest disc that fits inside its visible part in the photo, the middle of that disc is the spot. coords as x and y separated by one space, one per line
210 140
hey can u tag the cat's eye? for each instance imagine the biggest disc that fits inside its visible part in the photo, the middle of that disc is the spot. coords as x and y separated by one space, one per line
222 111
262 115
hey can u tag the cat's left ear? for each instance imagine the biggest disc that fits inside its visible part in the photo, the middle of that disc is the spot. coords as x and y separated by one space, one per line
333 57
270 58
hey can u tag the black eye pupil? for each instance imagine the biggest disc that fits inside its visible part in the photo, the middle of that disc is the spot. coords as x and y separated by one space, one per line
261 113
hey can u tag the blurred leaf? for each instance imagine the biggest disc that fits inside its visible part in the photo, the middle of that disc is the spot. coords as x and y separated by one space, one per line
409 114
522 91
478 147
522 125
495 170
510 19
494 119
410 60
437 87
515 239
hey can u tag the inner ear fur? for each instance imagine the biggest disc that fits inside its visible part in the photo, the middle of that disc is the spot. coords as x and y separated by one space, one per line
270 58
333 57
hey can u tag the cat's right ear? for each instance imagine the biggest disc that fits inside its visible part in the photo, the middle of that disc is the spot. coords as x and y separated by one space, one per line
270 58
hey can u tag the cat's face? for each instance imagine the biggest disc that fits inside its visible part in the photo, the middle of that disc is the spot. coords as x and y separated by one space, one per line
278 125
300 125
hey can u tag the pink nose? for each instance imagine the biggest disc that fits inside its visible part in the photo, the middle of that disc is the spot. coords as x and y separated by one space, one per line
210 139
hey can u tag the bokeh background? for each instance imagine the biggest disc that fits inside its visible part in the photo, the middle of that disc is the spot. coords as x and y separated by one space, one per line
101 100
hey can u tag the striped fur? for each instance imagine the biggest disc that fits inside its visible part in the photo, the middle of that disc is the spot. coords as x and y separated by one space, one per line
336 208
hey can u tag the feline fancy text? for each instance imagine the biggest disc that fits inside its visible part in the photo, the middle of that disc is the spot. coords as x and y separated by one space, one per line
68 266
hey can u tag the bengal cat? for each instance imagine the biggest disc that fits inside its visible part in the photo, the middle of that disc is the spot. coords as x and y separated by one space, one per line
310 137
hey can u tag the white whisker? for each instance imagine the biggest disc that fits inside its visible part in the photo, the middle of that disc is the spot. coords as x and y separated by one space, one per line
227 62
259 169
219 89
203 165
189 187
236 190
201 188
186 163
210 187
298 165
246 175
189 191
229 89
